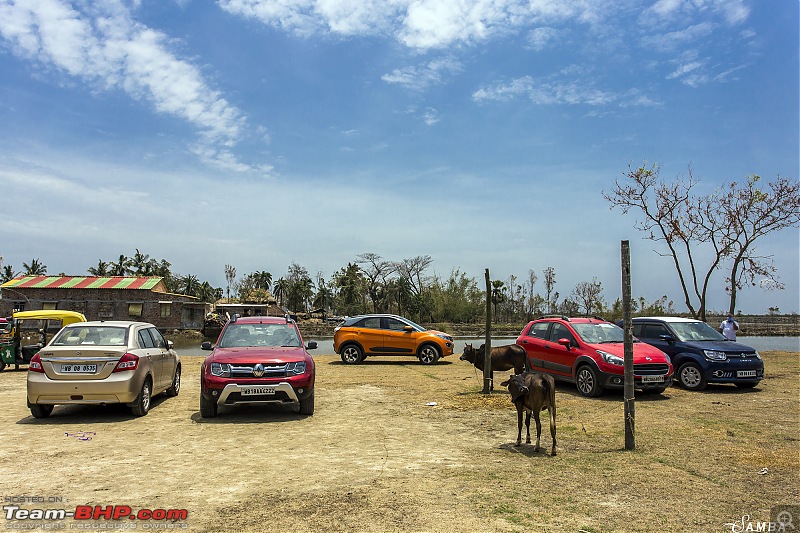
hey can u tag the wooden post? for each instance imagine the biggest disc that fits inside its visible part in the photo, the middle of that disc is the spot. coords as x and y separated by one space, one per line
630 411
487 360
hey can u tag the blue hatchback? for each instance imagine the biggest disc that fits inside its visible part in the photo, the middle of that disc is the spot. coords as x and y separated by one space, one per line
699 353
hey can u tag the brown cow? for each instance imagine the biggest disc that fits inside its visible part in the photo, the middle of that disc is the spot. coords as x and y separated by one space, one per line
533 392
503 358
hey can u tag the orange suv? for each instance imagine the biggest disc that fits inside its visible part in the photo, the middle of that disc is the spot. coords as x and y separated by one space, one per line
366 335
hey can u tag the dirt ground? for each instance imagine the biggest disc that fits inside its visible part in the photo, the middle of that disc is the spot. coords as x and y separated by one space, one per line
398 446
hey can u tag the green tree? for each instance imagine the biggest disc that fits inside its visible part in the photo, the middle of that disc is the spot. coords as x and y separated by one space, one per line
122 267
102 269
349 284
498 295
34 268
8 273
280 288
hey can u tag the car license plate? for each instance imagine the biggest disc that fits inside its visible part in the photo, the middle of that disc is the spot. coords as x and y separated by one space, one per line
745 373
257 391
652 379
78 369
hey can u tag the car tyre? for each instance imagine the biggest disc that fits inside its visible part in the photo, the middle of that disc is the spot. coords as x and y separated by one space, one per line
175 388
690 376
587 382
40 411
2 365
307 405
208 408
428 354
142 404
351 354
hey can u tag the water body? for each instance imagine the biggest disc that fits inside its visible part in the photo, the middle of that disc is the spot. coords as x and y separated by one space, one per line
325 344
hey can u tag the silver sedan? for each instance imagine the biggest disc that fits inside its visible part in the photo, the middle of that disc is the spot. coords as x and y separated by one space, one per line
103 363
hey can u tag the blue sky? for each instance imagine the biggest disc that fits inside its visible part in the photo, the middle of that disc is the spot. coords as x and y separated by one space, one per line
482 133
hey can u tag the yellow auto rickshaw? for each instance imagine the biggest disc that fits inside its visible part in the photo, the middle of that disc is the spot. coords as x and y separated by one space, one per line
12 350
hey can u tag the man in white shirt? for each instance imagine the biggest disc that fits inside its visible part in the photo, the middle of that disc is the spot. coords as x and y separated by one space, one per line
729 327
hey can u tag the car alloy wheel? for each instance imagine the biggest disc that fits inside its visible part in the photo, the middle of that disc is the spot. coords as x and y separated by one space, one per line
428 354
351 354
691 377
175 388
587 382
142 404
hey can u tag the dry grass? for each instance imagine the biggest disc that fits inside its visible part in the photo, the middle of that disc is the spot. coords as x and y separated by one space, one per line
398 446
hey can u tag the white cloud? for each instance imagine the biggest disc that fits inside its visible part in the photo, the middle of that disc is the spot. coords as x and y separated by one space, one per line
431 116
541 38
549 92
733 12
420 77
100 44
418 24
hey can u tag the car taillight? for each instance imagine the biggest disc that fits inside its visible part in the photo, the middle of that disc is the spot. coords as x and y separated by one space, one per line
127 362
36 364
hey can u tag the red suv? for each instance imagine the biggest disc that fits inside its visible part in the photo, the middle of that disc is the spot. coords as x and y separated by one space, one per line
257 360
589 352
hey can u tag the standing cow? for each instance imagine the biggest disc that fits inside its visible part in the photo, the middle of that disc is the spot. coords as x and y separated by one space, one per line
502 357
533 392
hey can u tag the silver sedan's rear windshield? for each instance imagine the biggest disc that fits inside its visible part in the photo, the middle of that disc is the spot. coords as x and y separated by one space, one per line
91 336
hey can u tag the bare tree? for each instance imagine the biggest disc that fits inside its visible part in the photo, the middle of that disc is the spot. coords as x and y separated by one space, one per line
549 285
727 222
749 213
412 270
230 275
377 272
588 293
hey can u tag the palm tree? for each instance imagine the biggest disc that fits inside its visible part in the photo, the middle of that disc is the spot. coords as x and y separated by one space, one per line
263 280
35 268
8 273
279 289
140 263
121 267
497 295
207 293
100 270
190 285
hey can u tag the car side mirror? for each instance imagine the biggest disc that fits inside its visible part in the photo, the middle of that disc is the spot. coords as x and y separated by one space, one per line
667 338
312 345
408 328
565 342
206 346
170 345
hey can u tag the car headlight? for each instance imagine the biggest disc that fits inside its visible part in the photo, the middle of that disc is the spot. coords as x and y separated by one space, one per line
756 355
610 358
445 337
296 368
714 355
221 369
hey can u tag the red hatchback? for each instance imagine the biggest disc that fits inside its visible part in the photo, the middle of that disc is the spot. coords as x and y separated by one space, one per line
256 360
589 352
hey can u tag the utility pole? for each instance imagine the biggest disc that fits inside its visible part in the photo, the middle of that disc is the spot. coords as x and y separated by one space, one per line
630 412
487 360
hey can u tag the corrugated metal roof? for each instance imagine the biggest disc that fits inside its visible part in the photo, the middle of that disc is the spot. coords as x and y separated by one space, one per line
82 282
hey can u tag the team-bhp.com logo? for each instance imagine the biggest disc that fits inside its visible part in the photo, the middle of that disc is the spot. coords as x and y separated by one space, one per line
96 512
